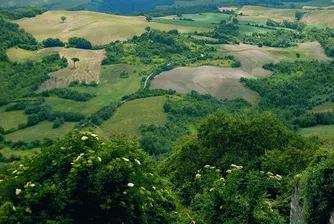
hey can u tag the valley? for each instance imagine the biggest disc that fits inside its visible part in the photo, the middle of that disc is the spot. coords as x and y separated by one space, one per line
160 111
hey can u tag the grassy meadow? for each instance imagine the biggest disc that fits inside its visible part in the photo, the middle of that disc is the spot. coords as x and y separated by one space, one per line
40 131
111 88
11 119
130 116
323 131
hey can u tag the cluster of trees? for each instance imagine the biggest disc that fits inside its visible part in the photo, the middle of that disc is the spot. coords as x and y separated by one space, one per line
79 42
287 24
37 112
158 140
100 116
295 88
238 169
114 182
179 10
278 38
77 83
23 79
11 35
27 12
53 42
69 94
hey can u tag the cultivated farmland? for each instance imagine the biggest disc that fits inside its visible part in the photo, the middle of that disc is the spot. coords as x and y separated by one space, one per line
219 82
88 68
99 28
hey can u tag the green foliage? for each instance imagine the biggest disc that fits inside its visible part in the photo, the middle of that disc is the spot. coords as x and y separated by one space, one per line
50 42
299 15
294 88
71 94
79 42
28 12
82 179
286 24
148 18
11 36
224 139
190 109
317 188
63 18
240 197
58 122
21 80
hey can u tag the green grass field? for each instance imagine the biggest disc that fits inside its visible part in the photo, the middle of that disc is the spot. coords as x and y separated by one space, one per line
40 131
323 131
20 55
210 20
11 119
326 107
111 88
130 116
7 152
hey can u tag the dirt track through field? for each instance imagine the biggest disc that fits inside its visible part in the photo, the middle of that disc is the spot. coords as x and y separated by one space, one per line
87 69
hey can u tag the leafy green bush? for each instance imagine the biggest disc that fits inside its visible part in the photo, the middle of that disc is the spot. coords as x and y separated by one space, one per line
82 179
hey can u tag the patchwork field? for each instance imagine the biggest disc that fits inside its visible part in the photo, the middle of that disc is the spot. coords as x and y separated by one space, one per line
11 119
40 131
210 20
111 88
99 28
252 57
219 82
131 115
323 131
7 152
319 18
88 68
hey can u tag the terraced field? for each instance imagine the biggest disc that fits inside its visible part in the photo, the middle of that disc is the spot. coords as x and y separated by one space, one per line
88 68
219 82
99 28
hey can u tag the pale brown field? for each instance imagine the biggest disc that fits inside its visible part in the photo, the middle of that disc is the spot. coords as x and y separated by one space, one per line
88 68
219 82
99 28
252 57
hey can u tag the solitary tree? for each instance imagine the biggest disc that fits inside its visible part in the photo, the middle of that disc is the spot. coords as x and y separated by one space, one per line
148 18
75 60
235 21
148 29
63 18
299 15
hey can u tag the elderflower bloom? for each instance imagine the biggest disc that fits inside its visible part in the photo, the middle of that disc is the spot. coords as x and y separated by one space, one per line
18 191
99 158
84 138
198 176
125 159
131 185
207 166
228 171
32 185
137 161
212 189
94 135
